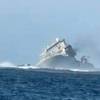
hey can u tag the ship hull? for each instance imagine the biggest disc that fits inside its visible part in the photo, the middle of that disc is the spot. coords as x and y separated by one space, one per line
65 62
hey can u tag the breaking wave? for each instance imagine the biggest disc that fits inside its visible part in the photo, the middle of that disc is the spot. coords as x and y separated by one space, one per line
79 70
7 64
12 65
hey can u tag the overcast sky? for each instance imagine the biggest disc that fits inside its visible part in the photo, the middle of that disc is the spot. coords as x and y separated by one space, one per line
27 26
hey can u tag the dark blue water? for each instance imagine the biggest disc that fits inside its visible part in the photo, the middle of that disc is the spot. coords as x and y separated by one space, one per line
17 84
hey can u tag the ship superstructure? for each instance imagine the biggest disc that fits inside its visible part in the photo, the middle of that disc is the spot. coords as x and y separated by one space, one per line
60 47
61 55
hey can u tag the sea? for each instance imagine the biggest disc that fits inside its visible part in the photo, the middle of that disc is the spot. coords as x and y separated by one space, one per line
29 84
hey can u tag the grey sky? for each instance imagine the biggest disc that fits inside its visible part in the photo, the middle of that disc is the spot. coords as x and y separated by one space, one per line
27 26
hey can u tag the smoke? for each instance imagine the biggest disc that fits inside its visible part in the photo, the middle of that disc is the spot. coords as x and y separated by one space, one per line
89 46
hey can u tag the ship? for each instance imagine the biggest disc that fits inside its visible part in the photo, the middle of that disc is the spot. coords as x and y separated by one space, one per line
61 55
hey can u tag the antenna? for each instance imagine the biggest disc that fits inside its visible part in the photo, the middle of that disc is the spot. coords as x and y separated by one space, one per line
57 39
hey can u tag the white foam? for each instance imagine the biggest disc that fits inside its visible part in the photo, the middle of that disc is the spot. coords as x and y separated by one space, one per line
7 64
79 70
27 67
12 65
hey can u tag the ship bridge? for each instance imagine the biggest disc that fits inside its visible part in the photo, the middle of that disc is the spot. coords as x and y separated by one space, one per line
60 47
